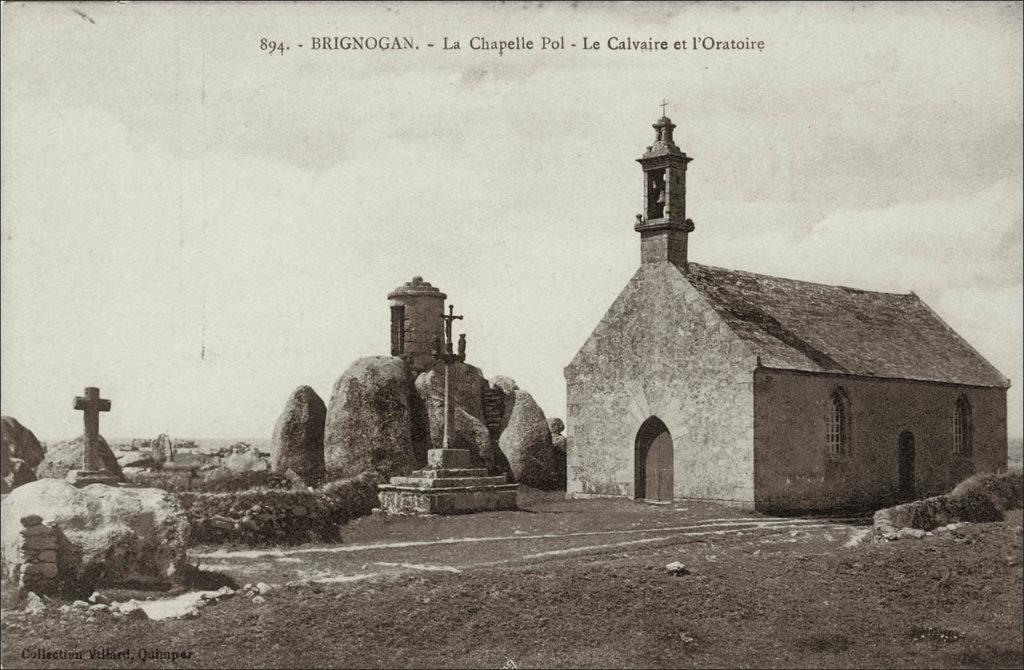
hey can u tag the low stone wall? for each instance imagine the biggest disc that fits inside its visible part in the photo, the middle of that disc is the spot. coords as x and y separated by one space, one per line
262 516
38 553
180 480
980 498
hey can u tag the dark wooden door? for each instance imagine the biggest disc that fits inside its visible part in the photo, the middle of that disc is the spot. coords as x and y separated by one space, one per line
906 465
659 468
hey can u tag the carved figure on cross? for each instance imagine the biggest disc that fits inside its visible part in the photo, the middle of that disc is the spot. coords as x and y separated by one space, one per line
448 318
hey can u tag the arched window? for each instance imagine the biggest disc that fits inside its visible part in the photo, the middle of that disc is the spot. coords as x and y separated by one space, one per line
839 424
963 427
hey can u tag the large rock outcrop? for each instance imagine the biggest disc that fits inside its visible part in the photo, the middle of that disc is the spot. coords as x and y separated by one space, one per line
14 472
468 430
504 384
526 441
298 443
19 442
560 444
111 535
558 441
67 455
369 420
20 455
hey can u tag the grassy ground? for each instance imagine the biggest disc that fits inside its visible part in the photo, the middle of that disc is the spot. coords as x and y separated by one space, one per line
770 597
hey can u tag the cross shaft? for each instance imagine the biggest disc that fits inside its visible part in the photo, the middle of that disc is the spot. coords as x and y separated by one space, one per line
91 404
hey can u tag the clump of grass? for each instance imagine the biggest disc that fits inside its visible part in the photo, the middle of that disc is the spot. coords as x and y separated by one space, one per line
1006 489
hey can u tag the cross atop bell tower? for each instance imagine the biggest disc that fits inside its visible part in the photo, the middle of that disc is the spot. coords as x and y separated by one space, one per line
663 225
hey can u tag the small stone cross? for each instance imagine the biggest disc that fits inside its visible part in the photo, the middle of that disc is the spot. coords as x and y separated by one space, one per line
664 104
91 404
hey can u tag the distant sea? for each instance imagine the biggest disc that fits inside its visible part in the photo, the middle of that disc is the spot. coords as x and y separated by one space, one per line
205 444
1015 453
1014 457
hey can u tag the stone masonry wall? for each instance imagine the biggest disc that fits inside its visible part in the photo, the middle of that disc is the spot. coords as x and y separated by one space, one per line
259 517
662 351
794 472
423 323
38 555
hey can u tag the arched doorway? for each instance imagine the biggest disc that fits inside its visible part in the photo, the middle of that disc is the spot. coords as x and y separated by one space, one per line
905 465
654 466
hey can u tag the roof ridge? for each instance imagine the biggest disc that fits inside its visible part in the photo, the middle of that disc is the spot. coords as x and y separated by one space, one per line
800 325
800 281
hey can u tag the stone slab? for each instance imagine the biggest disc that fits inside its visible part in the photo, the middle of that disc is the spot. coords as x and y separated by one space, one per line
462 500
449 458
449 482
450 472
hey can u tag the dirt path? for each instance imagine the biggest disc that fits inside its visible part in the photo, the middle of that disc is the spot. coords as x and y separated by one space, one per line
356 562
585 585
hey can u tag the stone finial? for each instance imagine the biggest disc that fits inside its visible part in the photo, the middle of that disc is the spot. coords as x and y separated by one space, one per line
416 287
663 145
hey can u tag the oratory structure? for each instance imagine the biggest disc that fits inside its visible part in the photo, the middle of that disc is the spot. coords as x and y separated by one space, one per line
421 334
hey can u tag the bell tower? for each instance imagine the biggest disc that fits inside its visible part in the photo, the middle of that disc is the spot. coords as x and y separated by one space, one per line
663 225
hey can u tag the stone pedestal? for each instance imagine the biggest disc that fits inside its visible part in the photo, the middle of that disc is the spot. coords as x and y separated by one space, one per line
82 478
447 486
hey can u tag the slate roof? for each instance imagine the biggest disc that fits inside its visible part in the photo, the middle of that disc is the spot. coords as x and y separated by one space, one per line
798 325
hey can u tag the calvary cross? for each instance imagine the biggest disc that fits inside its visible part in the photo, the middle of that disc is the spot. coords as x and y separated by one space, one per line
448 318
91 404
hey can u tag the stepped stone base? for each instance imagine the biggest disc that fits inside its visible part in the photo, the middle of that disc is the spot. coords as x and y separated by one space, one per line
451 472
82 478
448 486
448 458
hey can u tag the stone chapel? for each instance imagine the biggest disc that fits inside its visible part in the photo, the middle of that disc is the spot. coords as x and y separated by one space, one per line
777 394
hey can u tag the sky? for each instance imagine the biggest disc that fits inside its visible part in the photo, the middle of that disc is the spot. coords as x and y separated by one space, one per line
198 226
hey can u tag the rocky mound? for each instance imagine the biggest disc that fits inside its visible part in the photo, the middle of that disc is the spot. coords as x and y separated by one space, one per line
468 430
19 442
369 420
111 535
298 443
20 454
67 455
980 498
526 442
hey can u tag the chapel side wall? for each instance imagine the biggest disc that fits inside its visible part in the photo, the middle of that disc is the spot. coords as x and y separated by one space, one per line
661 351
792 470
